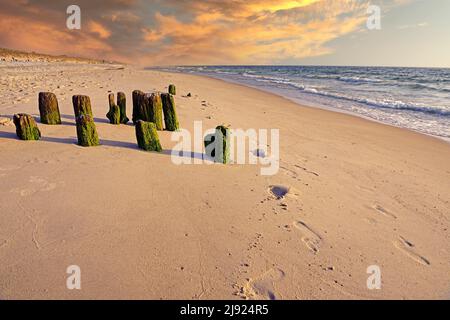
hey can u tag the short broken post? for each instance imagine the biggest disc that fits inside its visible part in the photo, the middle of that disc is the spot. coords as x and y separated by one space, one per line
49 109
217 145
170 115
86 130
172 89
26 127
114 111
122 103
147 136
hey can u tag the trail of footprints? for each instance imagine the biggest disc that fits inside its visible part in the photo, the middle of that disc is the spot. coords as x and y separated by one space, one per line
313 240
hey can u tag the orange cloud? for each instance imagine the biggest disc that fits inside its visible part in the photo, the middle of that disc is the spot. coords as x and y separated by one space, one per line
41 37
184 32
259 33
99 30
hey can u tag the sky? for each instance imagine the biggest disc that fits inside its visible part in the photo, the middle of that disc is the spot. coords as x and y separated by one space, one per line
234 32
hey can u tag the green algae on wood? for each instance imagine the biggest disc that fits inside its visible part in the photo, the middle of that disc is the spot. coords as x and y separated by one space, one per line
49 109
82 105
122 103
26 127
114 111
170 114
148 107
86 131
217 145
147 136
156 110
172 89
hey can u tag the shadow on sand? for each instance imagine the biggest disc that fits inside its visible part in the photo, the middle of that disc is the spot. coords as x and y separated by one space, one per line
108 143
72 118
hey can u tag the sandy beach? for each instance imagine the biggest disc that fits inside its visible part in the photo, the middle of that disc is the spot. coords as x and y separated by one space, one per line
140 227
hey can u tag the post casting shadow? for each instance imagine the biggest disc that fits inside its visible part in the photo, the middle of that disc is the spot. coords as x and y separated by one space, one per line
181 154
71 117
73 141
8 135
108 143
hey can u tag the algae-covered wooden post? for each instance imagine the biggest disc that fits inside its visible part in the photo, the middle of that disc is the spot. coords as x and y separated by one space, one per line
172 89
147 136
137 101
156 110
26 127
114 111
49 109
217 145
170 114
122 103
81 105
86 130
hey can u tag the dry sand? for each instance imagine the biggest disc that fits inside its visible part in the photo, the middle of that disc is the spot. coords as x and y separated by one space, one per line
140 227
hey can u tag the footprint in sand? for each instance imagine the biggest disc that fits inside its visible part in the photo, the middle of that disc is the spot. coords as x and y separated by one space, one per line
407 248
37 185
281 192
310 238
263 287
383 211
260 153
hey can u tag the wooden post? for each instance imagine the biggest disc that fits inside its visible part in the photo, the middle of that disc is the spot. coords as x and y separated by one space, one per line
170 115
122 103
148 107
172 89
114 111
137 101
147 136
86 130
218 145
48 108
82 105
156 110
26 127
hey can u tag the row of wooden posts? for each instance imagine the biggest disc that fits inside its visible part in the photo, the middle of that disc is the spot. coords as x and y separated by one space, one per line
148 111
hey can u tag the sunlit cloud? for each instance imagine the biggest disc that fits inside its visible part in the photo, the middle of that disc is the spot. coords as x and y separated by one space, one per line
177 32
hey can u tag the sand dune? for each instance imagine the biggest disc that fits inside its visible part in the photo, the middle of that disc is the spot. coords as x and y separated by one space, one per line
354 193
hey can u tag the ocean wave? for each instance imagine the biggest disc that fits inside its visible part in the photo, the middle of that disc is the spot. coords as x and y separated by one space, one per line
355 79
385 103
421 86
264 77
405 80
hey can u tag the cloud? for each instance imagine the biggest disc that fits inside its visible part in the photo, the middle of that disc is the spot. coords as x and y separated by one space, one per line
413 26
161 32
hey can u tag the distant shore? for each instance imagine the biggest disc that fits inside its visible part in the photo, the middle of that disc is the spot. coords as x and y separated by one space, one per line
9 55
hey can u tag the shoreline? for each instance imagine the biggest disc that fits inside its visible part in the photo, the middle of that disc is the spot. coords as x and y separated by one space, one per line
305 104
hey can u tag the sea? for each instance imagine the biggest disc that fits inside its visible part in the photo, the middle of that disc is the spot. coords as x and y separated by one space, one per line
414 98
